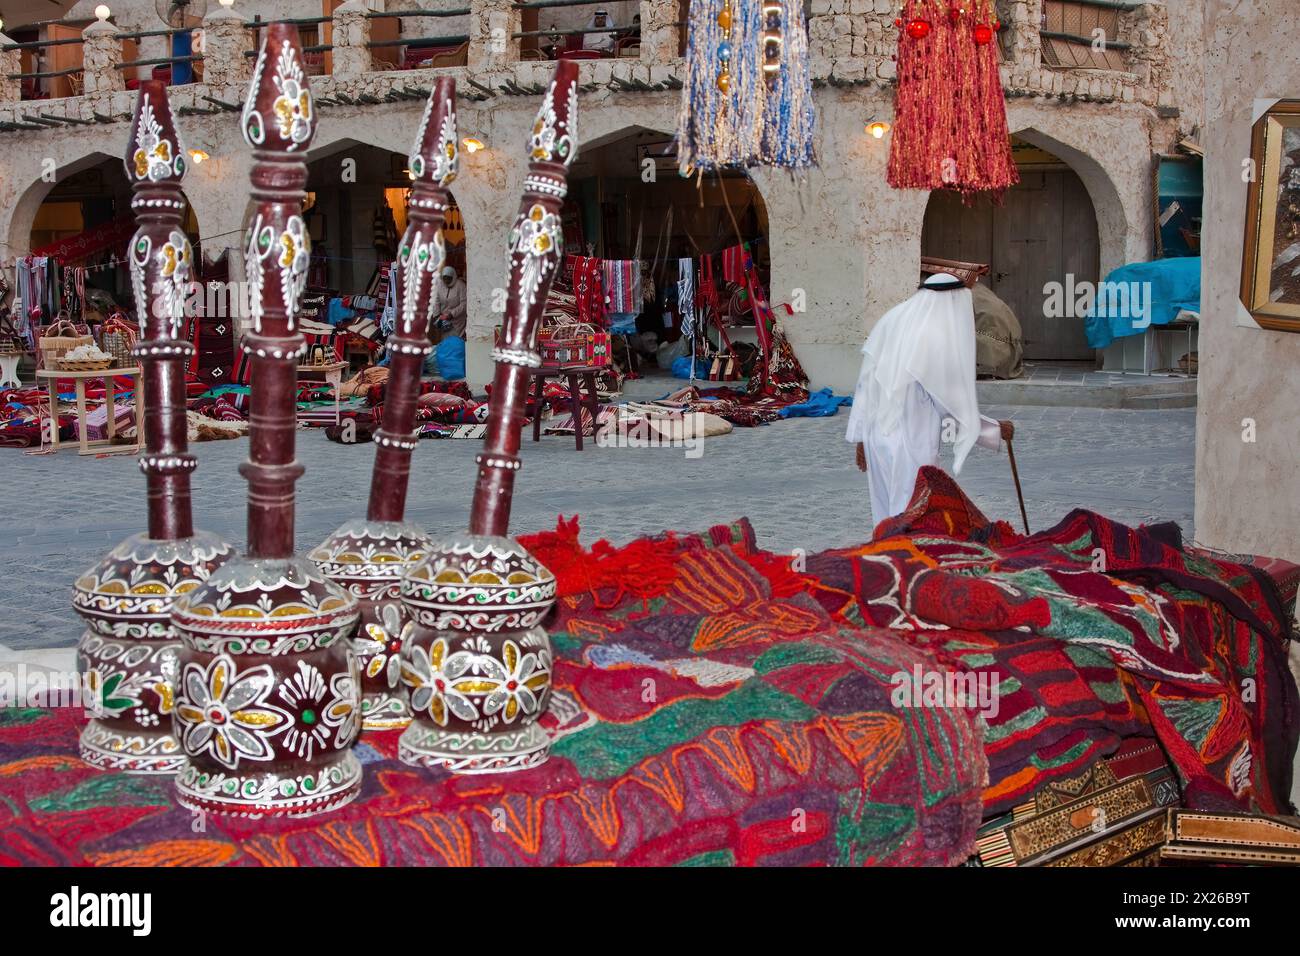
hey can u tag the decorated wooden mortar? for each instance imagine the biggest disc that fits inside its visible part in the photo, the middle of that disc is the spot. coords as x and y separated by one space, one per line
370 557
129 650
268 696
476 662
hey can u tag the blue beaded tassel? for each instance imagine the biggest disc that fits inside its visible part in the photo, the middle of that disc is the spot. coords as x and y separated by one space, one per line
734 112
788 114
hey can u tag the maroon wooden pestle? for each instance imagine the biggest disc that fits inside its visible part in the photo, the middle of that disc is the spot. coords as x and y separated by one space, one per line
370 556
129 650
476 662
268 700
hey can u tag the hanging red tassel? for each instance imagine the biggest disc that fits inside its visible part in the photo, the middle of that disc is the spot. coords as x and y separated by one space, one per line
950 116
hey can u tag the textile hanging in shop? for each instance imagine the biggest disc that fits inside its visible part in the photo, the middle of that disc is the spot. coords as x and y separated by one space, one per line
384 230
387 289
622 279
950 116
38 285
110 235
686 294
588 290
747 100
733 264
708 303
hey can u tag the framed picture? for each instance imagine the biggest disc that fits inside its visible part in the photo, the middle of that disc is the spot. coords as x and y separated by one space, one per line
1270 279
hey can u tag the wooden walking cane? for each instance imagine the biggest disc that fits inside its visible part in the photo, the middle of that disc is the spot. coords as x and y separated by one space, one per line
1015 475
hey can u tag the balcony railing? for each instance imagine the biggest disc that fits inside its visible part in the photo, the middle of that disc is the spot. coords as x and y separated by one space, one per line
1041 47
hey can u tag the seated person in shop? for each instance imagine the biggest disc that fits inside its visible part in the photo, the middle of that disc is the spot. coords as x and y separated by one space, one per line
603 42
449 304
917 385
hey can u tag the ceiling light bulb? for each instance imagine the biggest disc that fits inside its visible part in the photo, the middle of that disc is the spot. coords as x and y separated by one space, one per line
103 12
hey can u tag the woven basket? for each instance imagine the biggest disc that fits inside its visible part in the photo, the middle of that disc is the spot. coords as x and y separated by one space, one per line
967 272
118 345
60 339
85 365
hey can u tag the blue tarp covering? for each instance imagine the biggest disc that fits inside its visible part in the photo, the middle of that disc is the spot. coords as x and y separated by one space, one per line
1141 294
622 323
819 405
682 367
450 356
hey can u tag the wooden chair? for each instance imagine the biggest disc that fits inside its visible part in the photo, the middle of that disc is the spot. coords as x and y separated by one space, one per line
456 56
576 379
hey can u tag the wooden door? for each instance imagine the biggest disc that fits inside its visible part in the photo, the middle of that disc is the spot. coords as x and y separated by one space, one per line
64 57
1045 230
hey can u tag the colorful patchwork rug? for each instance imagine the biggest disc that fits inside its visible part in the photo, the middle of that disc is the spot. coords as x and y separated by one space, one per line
700 717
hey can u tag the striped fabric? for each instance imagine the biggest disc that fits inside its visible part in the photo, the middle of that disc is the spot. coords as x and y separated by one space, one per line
588 290
733 264
686 294
622 285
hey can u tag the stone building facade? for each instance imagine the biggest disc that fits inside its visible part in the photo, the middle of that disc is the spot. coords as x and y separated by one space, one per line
839 233
1247 428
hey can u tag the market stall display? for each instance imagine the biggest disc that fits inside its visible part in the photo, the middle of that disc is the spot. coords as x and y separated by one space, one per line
79 377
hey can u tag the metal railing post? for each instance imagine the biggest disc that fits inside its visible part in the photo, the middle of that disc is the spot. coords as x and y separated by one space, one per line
225 37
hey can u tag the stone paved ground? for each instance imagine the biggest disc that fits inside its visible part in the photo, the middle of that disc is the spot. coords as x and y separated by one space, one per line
795 480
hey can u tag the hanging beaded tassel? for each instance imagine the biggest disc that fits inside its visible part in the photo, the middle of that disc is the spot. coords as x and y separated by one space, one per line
950 115
788 115
748 94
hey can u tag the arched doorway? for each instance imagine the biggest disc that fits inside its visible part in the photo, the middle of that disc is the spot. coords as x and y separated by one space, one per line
356 210
1044 231
78 226
628 203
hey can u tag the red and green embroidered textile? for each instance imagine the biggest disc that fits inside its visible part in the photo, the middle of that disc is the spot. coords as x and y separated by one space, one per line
1095 630
715 705
697 720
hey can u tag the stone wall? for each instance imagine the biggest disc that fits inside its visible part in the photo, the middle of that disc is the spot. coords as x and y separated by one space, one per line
1247 493
839 233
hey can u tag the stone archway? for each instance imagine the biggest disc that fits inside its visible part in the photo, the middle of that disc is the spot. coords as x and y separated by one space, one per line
353 182
625 191
1114 166
22 214
88 198
1041 231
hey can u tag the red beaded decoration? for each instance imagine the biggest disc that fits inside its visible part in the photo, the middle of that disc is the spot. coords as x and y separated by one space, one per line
950 116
